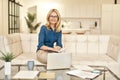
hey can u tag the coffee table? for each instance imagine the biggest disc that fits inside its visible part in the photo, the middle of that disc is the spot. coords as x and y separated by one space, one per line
20 63
106 74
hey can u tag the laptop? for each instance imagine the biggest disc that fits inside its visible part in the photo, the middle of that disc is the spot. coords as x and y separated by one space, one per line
59 61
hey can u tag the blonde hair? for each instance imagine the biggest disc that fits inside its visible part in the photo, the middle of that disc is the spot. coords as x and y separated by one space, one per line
58 28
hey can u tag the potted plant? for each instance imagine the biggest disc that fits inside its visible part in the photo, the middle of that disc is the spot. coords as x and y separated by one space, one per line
7 57
30 22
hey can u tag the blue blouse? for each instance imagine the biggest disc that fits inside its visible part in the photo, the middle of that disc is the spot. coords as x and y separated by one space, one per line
49 37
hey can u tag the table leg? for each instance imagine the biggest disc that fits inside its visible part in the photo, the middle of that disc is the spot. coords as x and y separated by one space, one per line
19 68
104 74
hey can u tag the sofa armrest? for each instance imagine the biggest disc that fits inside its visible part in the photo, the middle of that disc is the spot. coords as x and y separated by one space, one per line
1 64
114 48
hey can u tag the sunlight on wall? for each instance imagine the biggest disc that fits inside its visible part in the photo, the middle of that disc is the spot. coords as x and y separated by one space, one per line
44 8
49 5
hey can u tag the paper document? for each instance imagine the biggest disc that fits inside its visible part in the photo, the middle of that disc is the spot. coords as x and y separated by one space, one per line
82 74
83 67
26 75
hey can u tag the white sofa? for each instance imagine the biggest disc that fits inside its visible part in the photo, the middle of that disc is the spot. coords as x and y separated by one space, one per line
23 46
86 49
2 49
99 50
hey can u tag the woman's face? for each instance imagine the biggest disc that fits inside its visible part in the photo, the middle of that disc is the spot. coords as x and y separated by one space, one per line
53 18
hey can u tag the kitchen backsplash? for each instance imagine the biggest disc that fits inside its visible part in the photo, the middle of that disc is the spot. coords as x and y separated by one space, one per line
77 23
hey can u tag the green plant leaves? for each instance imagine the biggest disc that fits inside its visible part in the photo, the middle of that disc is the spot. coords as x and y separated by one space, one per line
8 57
31 17
37 25
30 20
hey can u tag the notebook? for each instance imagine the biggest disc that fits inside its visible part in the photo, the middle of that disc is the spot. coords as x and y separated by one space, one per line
82 74
59 60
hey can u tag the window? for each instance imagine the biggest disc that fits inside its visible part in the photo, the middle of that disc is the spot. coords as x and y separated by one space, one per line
13 17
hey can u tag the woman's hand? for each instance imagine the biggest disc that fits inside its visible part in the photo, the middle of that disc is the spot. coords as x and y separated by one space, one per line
56 48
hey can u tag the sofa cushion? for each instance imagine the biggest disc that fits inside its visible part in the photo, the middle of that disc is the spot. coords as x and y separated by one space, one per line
93 44
29 42
92 57
34 43
103 43
2 46
13 44
25 40
70 44
81 44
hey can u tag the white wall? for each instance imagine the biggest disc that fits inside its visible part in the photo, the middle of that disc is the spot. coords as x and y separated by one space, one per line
67 8
3 17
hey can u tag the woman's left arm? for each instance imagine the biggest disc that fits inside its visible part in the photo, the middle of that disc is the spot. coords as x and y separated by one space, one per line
59 41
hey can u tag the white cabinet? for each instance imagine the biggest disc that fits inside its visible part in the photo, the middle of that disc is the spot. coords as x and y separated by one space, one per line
88 8
116 20
103 43
111 19
106 19
70 44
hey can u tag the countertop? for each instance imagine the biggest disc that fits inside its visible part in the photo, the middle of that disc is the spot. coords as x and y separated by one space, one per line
77 31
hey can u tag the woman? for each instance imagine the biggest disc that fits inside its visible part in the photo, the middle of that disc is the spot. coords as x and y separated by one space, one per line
49 34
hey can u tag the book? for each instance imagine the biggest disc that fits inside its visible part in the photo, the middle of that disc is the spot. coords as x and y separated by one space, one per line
82 74
47 75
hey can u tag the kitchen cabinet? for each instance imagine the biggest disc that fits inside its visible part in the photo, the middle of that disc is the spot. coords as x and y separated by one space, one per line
86 10
116 20
106 19
111 19
69 11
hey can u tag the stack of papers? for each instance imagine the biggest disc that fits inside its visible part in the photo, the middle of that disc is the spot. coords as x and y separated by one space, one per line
82 74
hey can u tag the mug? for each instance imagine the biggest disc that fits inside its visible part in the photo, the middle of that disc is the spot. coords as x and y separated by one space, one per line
30 65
